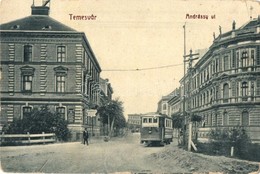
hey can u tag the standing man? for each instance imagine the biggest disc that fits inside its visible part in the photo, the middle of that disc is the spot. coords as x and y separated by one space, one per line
85 136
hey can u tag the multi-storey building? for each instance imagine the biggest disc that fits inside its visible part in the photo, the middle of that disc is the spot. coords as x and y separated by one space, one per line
106 92
163 106
134 121
174 103
44 62
224 85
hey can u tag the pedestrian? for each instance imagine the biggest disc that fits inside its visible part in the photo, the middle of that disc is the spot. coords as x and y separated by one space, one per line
85 136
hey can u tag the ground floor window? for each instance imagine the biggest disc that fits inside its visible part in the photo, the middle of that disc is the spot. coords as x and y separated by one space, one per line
61 111
245 118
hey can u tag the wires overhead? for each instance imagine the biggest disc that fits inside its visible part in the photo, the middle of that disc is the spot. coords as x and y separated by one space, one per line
143 69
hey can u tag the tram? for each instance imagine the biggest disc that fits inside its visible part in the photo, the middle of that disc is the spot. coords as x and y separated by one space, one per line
156 129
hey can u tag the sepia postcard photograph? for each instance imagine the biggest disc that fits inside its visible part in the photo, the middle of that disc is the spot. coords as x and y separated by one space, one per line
130 86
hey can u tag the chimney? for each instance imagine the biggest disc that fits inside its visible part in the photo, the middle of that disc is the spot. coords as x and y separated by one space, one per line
40 10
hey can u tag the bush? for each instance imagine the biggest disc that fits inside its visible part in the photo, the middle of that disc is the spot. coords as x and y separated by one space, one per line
221 141
38 121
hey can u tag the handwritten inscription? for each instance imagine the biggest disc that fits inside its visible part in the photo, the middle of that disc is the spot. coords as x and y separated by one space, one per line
200 16
82 17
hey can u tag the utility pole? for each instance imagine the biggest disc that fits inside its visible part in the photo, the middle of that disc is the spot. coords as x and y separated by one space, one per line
184 89
191 58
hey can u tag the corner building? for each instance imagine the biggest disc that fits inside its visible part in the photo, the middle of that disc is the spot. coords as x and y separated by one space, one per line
44 62
224 85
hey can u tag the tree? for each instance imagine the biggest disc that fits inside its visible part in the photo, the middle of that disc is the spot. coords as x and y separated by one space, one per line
111 112
38 121
178 124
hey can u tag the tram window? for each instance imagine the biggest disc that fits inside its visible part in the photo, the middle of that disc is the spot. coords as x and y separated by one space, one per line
145 120
150 120
155 120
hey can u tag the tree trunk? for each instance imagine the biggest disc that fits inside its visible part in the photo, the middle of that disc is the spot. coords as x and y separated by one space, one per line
112 126
108 126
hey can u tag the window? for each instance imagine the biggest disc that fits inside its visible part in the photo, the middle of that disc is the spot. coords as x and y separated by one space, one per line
225 119
145 120
244 59
164 106
155 120
27 83
27 54
258 55
245 118
26 110
233 88
61 53
225 93
244 88
60 83
226 63
61 111
233 63
258 86
60 77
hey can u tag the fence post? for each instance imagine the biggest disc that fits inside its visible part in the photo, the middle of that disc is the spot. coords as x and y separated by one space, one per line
29 139
43 138
2 138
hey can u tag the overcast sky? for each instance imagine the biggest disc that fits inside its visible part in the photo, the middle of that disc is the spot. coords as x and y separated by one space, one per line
137 34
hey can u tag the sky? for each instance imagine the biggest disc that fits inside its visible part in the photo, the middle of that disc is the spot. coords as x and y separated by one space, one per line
139 44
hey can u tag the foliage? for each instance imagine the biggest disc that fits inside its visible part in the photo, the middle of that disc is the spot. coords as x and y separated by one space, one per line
38 121
111 112
196 118
177 121
221 141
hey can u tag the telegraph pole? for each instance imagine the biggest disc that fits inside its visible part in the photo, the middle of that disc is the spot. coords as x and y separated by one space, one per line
191 58
184 66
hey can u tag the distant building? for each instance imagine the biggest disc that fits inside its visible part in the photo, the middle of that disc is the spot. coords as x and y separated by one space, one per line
134 121
163 105
44 62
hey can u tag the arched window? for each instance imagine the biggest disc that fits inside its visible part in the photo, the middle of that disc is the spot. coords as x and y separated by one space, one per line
244 91
245 118
225 118
225 93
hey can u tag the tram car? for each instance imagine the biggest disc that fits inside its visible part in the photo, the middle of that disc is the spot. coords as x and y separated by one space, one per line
156 129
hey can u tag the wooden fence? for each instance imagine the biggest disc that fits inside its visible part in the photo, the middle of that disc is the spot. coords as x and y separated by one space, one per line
28 138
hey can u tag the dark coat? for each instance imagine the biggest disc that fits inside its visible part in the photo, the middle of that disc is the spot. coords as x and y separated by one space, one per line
85 134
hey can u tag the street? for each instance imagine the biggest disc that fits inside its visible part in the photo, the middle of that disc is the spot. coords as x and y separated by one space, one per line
124 154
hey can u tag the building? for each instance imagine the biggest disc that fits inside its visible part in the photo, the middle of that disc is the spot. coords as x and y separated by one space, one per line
163 105
134 121
44 62
106 92
223 87
174 103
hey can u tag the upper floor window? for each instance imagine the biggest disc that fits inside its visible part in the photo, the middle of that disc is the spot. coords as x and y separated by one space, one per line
60 83
164 106
61 53
226 62
27 54
225 93
60 76
244 58
27 78
244 88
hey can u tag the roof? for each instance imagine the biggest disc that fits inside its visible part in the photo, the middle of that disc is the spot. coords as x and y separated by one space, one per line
36 23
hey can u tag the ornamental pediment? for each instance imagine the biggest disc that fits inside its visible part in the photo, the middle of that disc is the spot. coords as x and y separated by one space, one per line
60 69
27 70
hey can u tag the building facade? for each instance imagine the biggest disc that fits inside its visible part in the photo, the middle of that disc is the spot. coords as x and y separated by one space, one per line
44 62
106 92
223 87
134 121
